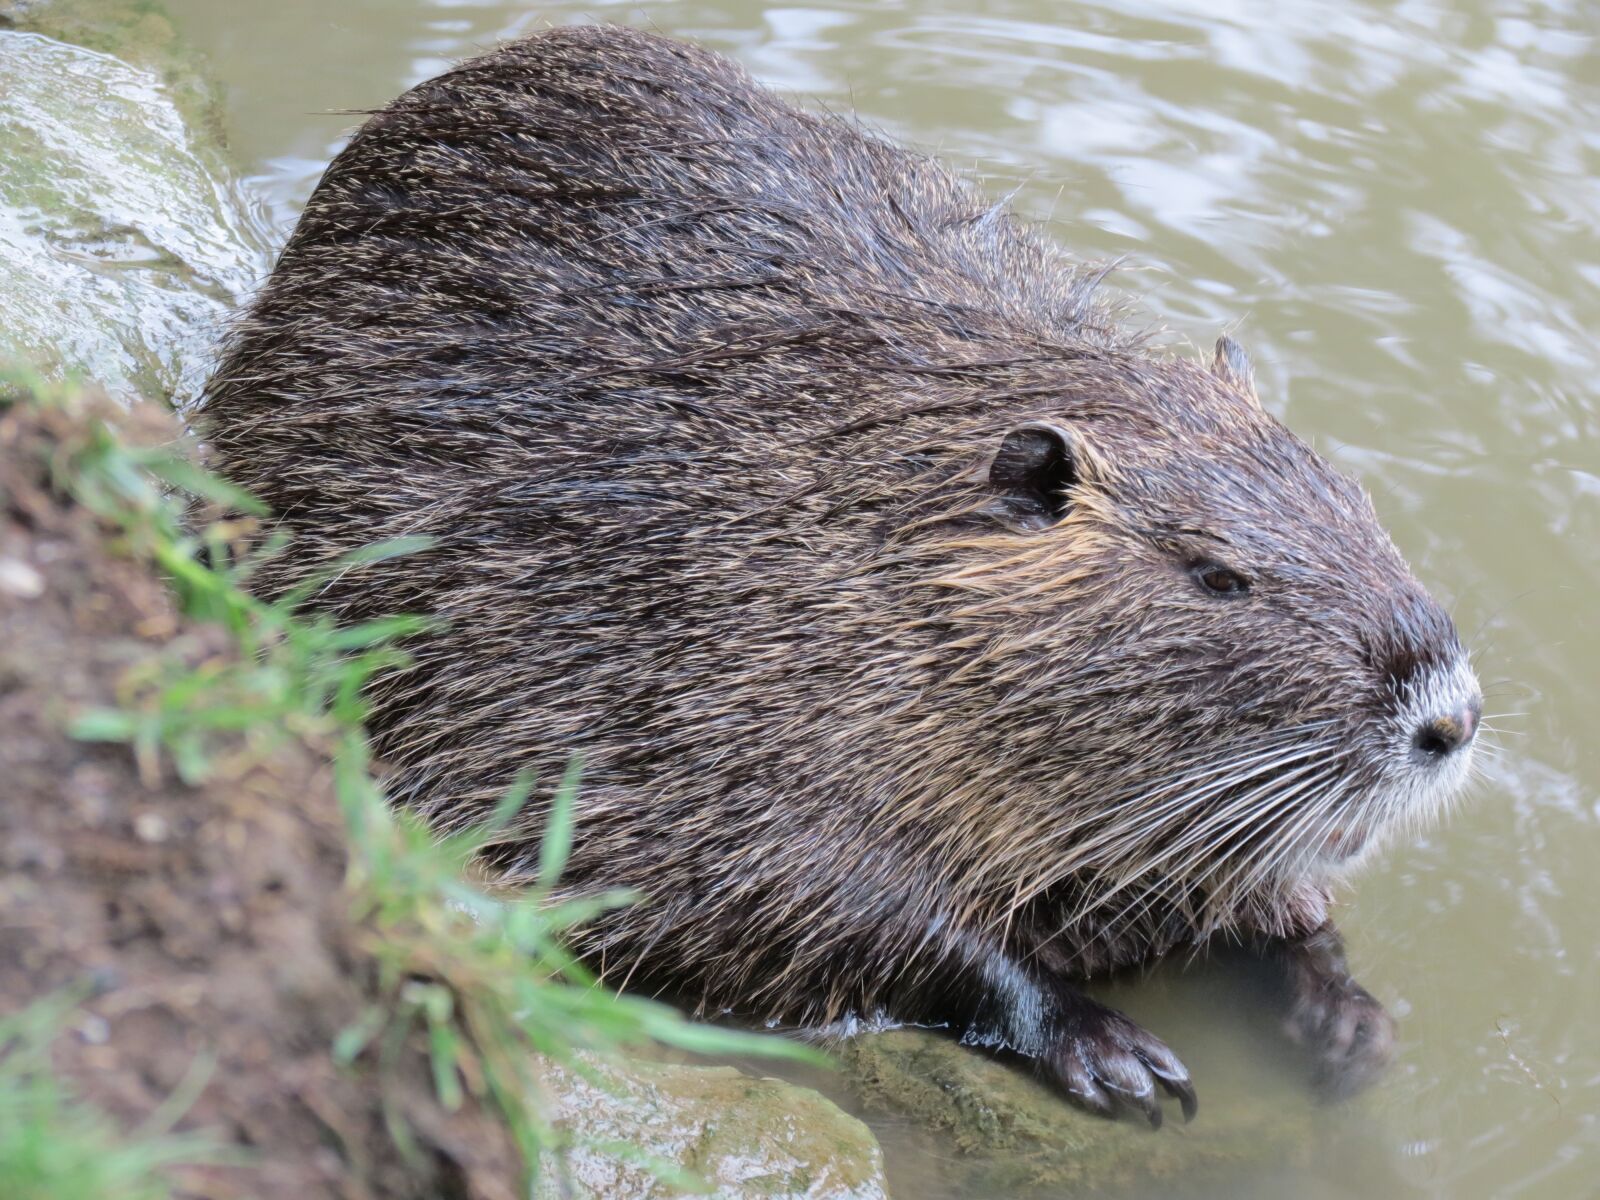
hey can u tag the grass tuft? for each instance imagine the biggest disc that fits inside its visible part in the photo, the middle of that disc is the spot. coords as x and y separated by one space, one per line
54 1147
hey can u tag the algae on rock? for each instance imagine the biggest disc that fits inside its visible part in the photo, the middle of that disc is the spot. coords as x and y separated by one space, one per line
124 245
140 33
1010 1135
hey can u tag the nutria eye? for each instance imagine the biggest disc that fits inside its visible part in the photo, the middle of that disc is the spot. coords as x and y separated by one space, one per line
1220 580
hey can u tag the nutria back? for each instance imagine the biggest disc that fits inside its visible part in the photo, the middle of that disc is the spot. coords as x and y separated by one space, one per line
927 640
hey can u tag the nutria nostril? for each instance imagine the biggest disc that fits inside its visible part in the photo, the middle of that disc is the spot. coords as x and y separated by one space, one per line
1444 735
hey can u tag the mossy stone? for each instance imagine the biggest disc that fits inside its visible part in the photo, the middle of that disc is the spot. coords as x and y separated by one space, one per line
1003 1133
746 1137
124 242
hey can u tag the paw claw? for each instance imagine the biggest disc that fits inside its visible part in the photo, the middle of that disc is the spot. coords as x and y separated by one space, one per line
1091 1097
1109 1065
1187 1100
1152 1112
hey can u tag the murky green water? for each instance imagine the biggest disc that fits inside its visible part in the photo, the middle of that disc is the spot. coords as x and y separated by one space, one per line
1395 208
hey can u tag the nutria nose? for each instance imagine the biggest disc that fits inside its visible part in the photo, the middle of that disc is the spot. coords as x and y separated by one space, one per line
1441 736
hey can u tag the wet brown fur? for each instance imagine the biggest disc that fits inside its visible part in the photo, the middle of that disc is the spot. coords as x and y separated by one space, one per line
698 396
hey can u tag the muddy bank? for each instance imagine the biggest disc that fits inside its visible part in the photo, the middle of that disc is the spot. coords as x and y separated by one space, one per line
210 926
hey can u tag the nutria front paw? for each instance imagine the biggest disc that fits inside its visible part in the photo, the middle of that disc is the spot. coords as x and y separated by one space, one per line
1109 1065
1349 1036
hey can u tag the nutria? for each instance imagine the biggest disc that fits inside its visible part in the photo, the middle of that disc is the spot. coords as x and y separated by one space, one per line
930 643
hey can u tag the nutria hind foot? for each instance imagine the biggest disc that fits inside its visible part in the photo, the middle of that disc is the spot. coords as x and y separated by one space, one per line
1108 1064
1346 1033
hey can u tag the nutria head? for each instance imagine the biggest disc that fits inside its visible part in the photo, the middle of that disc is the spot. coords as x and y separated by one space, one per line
888 590
1181 643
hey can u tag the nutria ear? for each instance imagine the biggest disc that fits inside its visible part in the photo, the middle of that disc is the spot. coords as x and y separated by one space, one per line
1233 364
1034 472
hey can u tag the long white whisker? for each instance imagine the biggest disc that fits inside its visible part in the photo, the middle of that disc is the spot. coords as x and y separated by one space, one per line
1120 837
1265 802
1303 836
1149 818
1231 891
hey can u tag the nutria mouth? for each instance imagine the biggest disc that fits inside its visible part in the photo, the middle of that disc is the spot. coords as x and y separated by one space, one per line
1343 843
930 642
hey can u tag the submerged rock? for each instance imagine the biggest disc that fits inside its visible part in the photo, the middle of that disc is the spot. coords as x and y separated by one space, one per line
998 1132
124 245
140 33
747 1138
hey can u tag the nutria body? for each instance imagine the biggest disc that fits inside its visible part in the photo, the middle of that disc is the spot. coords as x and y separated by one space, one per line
929 643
